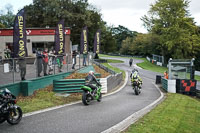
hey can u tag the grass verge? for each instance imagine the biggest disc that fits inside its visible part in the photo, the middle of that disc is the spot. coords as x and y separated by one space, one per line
152 67
177 114
44 98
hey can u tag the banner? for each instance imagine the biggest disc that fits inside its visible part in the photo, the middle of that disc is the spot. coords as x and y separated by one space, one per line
19 35
60 38
97 42
84 41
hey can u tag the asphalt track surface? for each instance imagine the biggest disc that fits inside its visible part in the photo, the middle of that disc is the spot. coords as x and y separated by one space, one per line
96 117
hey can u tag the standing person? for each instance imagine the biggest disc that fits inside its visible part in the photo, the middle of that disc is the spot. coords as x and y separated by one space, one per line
45 61
39 62
84 59
22 67
74 59
50 61
60 62
7 52
130 62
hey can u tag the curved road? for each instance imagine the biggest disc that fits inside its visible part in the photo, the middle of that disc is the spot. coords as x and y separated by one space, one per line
94 118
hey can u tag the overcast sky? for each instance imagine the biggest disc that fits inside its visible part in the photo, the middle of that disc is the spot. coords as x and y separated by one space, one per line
118 12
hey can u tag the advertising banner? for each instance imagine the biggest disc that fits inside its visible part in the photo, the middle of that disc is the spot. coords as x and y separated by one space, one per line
19 35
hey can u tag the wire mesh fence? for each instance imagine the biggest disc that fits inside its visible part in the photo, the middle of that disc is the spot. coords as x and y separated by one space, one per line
13 69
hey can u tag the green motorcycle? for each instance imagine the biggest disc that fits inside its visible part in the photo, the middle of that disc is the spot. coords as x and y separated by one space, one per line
88 94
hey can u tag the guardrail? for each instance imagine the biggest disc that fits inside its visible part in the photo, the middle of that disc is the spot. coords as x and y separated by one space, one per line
104 68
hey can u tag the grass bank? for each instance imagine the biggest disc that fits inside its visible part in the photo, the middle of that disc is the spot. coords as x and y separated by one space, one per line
44 98
117 70
177 114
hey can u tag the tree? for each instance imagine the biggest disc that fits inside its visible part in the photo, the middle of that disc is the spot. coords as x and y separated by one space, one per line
77 14
171 21
7 20
121 33
143 44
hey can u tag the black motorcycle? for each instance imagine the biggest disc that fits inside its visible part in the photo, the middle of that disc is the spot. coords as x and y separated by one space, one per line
136 88
9 111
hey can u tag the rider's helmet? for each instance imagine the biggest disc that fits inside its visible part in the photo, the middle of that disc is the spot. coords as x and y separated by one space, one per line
91 72
134 70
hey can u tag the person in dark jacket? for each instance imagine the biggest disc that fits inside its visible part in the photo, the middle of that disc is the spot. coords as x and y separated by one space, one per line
45 61
74 59
91 81
39 62
22 67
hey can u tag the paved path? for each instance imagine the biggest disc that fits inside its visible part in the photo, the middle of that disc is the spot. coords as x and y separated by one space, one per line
94 118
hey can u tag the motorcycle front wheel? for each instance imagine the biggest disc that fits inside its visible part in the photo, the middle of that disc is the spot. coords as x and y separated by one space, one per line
14 116
137 91
2 119
86 98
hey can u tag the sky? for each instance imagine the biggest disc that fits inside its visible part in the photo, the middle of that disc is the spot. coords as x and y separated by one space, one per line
118 12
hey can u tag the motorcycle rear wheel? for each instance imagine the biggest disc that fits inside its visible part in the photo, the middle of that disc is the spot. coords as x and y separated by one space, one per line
100 97
13 121
86 98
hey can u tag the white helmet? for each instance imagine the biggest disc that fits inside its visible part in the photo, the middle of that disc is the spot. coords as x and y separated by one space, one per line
91 72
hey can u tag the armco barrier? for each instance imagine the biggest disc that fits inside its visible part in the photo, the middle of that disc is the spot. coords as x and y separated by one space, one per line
27 87
104 67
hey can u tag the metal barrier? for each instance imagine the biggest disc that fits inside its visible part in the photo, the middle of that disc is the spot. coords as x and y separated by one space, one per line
104 67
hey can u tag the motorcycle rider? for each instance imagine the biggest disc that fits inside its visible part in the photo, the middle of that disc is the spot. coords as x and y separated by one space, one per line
135 75
90 80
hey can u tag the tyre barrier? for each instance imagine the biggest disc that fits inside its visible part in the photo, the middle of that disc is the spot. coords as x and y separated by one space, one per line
68 85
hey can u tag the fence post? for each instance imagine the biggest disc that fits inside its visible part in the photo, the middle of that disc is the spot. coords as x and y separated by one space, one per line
79 61
13 70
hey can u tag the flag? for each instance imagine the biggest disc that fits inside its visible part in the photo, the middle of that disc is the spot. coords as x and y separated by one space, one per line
60 38
97 42
84 41
19 35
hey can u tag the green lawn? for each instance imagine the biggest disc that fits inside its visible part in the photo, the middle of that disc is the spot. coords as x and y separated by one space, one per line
44 98
152 67
177 114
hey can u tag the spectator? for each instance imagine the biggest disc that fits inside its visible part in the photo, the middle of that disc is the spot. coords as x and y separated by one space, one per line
60 62
74 59
166 75
7 53
45 61
84 59
22 67
50 61
39 62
